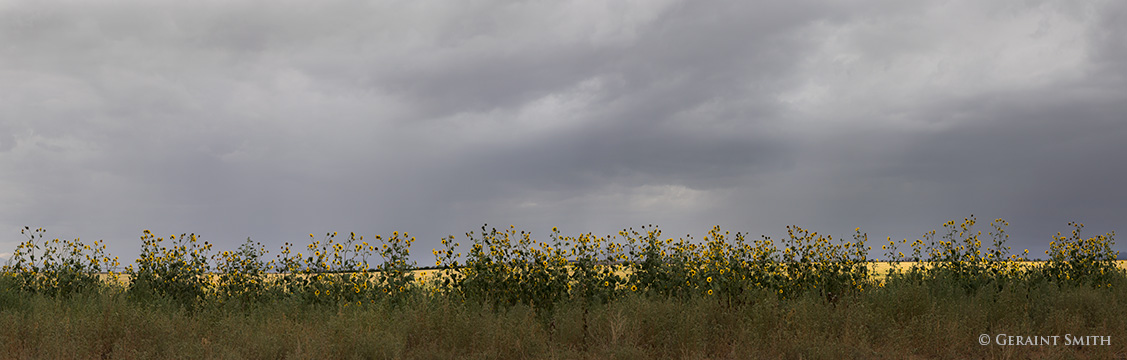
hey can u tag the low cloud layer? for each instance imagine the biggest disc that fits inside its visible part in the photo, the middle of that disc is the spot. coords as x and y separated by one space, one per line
273 120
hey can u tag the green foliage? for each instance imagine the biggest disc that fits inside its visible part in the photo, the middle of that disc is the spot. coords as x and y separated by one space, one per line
1076 260
814 263
177 272
960 257
243 276
447 281
57 268
500 272
656 269
508 268
595 271
339 272
394 276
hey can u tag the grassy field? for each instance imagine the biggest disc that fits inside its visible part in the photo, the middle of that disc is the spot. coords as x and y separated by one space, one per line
634 296
897 321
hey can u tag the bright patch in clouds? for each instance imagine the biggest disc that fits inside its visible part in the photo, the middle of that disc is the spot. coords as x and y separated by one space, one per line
887 70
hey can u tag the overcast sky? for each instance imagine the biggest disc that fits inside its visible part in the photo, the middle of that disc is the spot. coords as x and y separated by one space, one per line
276 119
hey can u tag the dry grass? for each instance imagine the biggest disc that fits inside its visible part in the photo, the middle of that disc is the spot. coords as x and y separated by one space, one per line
898 321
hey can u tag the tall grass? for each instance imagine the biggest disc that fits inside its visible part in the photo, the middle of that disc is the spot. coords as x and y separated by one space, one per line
900 320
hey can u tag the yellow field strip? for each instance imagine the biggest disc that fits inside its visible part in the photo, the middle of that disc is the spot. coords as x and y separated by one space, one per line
882 267
878 268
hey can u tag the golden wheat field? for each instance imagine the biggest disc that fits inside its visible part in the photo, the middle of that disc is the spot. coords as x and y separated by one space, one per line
879 270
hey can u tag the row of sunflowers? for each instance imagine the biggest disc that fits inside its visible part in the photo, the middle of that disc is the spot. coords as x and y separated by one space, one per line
506 267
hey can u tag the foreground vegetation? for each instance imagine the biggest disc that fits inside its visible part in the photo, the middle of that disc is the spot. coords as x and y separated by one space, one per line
901 320
634 295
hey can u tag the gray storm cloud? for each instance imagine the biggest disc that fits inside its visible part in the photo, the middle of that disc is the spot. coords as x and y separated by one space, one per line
274 120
